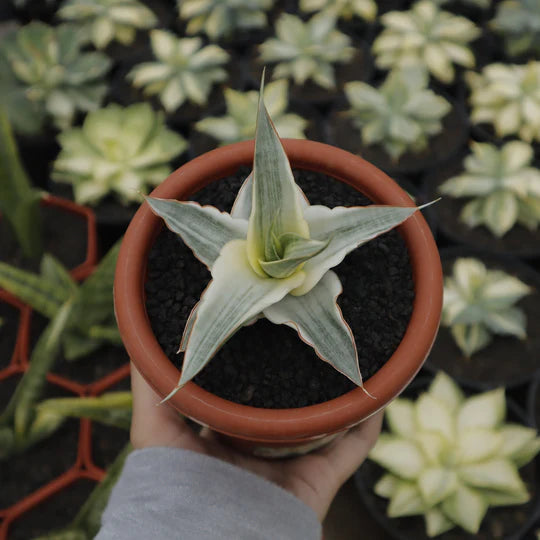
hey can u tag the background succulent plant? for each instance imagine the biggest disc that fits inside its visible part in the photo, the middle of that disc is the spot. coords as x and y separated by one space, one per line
428 37
519 23
44 73
105 20
401 115
185 70
449 458
504 187
508 97
307 50
117 151
238 125
346 9
220 18
479 302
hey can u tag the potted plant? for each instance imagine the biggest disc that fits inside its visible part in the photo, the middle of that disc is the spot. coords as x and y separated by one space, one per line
13 329
507 97
266 431
392 125
501 188
490 314
453 461
428 37
108 171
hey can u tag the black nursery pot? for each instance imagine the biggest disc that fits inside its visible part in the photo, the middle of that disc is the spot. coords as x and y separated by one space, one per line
440 148
518 241
507 361
500 523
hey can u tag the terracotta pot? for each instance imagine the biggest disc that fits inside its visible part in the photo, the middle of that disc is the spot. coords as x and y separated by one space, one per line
274 432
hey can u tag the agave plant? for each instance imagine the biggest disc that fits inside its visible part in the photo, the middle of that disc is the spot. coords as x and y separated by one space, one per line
105 20
237 125
118 151
479 302
186 70
506 189
346 9
307 50
428 37
401 115
220 18
91 319
507 96
449 458
44 73
271 256
19 201
86 524
519 23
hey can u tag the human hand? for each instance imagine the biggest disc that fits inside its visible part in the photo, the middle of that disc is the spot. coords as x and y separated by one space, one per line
314 478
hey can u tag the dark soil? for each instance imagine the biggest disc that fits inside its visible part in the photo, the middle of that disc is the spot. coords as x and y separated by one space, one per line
517 241
87 369
534 404
500 522
24 473
54 513
8 332
285 372
344 134
506 361
64 234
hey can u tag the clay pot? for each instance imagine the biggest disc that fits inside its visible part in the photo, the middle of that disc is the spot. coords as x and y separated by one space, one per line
278 432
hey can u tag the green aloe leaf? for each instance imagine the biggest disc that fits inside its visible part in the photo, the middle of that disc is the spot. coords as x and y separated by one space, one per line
204 229
28 391
276 207
112 408
19 202
46 296
235 295
318 320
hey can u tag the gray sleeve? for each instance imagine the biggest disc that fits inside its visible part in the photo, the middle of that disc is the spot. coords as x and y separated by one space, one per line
166 493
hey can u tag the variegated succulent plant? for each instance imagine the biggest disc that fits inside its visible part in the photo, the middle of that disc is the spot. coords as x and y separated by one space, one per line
221 18
87 307
117 151
508 97
479 302
401 115
103 21
504 186
426 36
478 3
43 72
449 458
185 70
238 124
271 256
307 50
519 23
346 9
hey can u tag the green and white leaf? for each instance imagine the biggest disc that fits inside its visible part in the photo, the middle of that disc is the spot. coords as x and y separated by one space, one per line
235 295
318 320
346 9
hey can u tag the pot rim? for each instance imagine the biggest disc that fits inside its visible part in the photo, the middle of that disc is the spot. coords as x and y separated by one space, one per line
279 425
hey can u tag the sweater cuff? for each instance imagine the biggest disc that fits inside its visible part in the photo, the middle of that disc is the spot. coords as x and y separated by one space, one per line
165 491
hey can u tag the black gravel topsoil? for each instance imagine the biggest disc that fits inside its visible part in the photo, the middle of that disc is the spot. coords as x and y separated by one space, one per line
267 365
